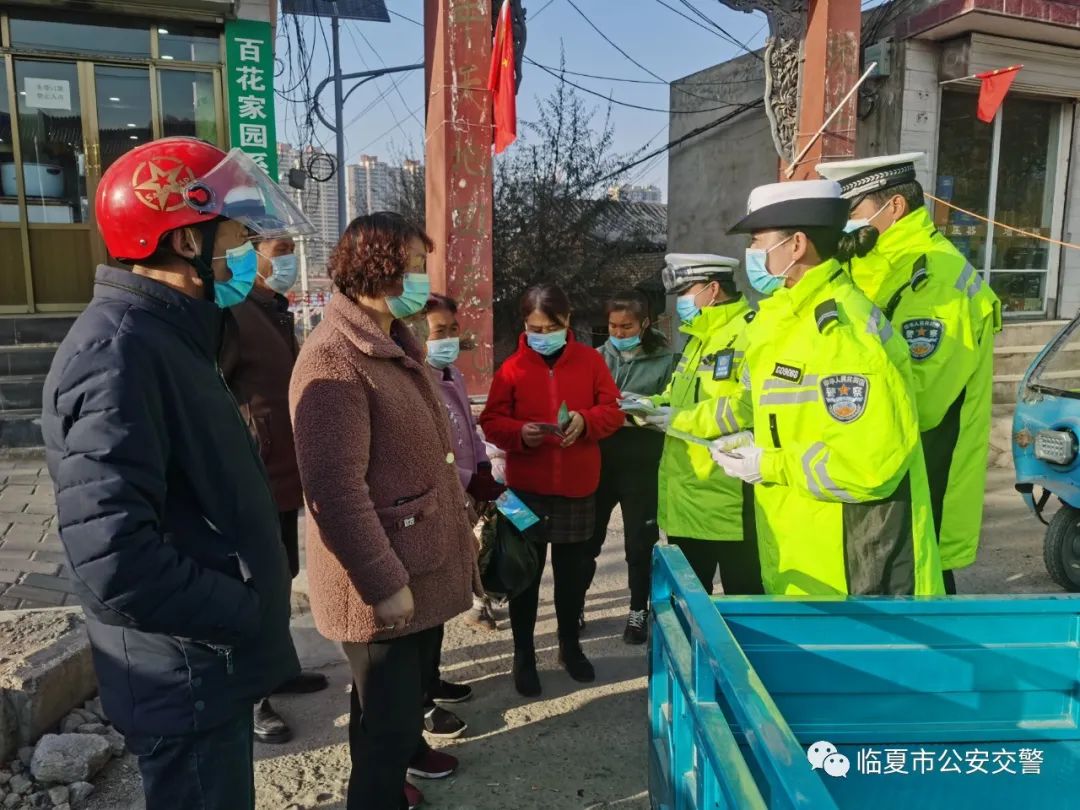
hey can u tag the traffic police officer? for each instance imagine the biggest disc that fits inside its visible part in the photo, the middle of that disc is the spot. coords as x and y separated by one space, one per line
842 500
941 306
704 512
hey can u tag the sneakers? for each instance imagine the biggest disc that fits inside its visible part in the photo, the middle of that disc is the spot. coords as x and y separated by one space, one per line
413 797
637 627
446 692
481 618
445 725
526 678
432 764
269 727
574 661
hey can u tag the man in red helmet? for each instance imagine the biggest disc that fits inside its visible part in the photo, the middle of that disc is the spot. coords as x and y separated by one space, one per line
165 512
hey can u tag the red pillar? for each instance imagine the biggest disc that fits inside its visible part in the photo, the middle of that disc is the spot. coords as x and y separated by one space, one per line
458 173
830 70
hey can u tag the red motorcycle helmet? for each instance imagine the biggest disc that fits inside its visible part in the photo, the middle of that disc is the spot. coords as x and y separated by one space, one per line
183 182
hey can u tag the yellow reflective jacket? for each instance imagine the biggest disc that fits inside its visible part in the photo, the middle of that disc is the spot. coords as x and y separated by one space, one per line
948 316
696 498
843 507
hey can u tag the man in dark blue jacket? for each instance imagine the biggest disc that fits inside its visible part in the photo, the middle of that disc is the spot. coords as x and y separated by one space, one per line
165 511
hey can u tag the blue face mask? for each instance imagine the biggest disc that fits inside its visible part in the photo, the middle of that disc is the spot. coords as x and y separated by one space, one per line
546 344
627 344
686 307
243 263
414 295
757 271
285 270
441 353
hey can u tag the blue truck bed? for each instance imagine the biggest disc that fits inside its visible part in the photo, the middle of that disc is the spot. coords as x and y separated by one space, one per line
914 703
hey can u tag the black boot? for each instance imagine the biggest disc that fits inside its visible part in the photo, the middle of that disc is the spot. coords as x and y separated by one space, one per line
269 727
526 678
574 661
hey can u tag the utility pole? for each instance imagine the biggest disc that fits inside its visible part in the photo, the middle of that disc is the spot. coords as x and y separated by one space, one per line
339 103
338 10
458 175
831 51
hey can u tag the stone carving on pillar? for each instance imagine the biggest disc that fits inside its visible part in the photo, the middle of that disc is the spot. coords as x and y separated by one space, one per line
787 25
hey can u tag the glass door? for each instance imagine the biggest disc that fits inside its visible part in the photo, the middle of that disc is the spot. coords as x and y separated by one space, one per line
14 282
1010 172
51 134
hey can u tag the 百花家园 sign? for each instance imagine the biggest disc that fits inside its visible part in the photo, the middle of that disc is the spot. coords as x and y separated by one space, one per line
249 59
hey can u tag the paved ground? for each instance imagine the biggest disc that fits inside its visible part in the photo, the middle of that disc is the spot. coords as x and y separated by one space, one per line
31 559
570 750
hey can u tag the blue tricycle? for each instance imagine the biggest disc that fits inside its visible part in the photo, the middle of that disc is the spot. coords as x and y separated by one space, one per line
1046 450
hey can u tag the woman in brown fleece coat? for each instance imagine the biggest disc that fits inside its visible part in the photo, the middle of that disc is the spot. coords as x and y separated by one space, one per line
390 551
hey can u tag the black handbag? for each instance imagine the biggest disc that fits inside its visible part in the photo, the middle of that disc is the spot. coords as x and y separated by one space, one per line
509 558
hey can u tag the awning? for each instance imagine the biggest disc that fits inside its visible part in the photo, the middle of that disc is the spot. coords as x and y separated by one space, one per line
1050 21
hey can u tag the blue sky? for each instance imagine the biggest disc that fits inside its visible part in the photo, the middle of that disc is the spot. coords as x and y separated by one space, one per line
386 114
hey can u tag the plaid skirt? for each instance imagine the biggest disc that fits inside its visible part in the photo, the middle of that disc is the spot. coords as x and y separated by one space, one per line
567 520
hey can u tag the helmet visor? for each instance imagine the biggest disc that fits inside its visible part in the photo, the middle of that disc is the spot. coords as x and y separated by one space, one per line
238 189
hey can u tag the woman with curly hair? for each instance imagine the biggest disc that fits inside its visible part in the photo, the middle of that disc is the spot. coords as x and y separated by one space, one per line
390 549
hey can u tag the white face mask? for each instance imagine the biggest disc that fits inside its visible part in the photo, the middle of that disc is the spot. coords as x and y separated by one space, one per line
856 224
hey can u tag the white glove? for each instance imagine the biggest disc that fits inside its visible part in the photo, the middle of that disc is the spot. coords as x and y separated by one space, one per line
741 462
744 438
661 419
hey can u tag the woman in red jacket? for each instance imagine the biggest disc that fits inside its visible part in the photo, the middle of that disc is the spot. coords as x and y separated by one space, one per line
556 476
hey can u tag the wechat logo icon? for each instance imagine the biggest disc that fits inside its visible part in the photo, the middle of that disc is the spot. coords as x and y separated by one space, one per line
823 756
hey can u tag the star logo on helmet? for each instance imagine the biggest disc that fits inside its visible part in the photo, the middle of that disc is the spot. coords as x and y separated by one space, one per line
160 183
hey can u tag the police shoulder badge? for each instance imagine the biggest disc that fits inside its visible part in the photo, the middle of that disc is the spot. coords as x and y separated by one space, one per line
923 336
845 396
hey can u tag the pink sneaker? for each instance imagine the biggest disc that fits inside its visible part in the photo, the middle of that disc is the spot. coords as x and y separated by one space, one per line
433 764
413 796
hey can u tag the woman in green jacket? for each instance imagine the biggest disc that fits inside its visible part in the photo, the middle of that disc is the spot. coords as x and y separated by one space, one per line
641 363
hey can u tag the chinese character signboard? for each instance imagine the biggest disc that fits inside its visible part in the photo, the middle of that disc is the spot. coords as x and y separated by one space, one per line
250 65
48 94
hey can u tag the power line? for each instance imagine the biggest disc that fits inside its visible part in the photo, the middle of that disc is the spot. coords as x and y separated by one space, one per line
730 37
610 42
653 82
686 16
610 100
683 139
396 84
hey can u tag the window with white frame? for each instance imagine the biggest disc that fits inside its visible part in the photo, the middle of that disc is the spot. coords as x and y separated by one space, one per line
1007 172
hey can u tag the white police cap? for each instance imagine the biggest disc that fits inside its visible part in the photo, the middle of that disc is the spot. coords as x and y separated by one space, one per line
795 204
683 269
863 176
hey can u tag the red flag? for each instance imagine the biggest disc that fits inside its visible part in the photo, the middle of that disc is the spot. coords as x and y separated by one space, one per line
501 81
995 84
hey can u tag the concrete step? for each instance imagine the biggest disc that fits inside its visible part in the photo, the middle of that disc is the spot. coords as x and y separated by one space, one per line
21 392
21 428
23 359
1028 333
31 329
1018 359
1006 385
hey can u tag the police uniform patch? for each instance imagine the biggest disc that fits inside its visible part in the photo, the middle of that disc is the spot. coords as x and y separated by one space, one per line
845 396
783 371
923 336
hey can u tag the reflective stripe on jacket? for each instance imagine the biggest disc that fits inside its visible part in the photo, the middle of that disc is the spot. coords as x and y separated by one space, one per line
844 505
697 499
940 305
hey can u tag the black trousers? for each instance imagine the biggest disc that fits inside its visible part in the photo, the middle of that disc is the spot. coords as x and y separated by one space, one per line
628 477
389 682
570 564
433 672
740 568
211 770
290 538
